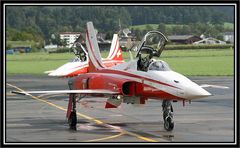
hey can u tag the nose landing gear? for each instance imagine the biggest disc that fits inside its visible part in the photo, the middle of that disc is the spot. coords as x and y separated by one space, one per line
168 115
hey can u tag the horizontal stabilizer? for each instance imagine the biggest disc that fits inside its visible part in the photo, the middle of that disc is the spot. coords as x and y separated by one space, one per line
84 91
48 72
214 86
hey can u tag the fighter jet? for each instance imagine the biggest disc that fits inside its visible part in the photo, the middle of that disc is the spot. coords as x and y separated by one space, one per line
80 64
133 82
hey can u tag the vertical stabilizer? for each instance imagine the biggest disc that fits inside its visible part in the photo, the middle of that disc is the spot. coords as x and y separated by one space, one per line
115 50
95 59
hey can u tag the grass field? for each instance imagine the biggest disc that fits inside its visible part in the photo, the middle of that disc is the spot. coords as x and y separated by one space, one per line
155 26
22 43
209 62
202 66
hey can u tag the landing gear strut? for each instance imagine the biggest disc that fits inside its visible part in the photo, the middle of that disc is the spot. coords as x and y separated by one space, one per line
71 114
168 115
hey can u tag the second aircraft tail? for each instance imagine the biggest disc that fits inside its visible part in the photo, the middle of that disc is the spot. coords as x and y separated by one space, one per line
115 50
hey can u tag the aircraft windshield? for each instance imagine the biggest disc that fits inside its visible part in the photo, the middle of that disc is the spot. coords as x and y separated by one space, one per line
159 66
77 59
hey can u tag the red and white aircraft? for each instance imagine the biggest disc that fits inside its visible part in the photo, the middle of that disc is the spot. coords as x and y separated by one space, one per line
77 66
131 82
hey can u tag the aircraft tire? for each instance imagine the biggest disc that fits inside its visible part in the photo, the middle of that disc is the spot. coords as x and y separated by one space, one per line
72 121
168 124
168 115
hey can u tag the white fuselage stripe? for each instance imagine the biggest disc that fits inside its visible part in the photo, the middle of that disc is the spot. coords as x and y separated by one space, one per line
115 50
112 48
158 86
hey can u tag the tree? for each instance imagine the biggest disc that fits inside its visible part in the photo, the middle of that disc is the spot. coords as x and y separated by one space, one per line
109 35
217 18
42 21
162 28
138 34
148 27
9 46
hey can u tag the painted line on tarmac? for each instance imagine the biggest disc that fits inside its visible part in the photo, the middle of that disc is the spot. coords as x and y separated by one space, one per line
61 108
11 94
106 138
89 118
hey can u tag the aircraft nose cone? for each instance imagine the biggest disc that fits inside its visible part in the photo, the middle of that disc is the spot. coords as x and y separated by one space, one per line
196 92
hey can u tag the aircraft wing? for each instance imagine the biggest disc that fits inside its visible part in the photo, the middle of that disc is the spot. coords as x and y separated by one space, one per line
50 71
82 91
214 86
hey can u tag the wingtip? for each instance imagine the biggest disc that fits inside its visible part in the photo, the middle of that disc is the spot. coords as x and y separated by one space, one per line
214 86
18 92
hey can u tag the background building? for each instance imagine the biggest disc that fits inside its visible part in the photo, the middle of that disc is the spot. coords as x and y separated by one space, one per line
183 39
210 41
228 37
69 37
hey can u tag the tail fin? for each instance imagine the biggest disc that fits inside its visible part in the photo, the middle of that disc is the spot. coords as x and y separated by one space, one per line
95 60
115 50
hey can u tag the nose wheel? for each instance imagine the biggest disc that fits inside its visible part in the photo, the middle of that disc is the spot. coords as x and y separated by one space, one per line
168 115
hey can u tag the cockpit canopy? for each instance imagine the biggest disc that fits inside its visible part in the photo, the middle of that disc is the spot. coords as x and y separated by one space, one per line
152 43
159 66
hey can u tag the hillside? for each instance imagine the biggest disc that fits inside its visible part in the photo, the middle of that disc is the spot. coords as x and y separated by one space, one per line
51 19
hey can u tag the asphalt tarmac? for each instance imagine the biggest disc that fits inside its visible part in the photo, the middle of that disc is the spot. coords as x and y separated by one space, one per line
41 118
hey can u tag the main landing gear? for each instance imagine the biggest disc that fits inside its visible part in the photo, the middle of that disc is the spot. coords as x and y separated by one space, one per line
71 112
168 115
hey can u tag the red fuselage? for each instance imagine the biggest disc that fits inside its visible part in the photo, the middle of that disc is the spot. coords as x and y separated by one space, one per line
120 82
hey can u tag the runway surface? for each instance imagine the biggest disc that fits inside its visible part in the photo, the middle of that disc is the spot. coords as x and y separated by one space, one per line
43 118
